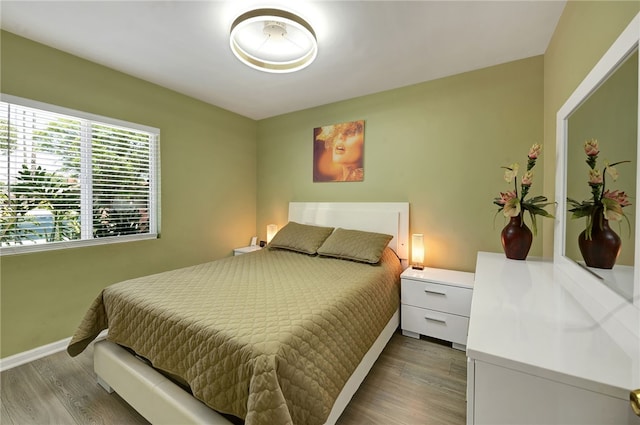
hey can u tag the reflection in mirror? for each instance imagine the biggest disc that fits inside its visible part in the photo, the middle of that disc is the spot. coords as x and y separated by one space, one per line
609 115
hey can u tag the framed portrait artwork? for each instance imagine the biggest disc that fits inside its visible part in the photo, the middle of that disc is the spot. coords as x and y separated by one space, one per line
338 152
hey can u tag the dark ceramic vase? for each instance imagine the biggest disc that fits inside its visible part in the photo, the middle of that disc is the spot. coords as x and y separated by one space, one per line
516 239
601 251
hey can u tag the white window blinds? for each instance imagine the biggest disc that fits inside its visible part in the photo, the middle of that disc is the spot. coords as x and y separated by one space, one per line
67 177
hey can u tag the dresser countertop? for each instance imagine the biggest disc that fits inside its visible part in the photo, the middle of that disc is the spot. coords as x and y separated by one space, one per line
524 317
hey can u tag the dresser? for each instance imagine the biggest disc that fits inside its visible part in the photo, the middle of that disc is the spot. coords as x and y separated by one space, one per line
436 303
535 356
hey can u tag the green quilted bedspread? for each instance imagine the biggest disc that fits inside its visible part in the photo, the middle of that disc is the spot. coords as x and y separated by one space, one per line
271 336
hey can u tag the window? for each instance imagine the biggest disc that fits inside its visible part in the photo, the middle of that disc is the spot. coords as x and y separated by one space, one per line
69 178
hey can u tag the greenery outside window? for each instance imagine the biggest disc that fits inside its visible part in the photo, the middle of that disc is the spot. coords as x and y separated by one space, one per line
69 178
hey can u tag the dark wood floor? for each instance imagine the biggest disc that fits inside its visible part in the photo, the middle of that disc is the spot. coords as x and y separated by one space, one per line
414 382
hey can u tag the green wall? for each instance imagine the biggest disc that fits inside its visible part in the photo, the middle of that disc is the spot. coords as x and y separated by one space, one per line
584 33
438 145
208 191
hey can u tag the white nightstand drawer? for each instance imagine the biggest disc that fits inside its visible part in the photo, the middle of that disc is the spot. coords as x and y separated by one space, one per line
449 327
435 296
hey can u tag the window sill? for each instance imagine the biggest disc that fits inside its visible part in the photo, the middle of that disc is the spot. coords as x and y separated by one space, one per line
29 248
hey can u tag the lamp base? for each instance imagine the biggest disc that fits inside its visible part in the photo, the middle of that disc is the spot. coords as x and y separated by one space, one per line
417 267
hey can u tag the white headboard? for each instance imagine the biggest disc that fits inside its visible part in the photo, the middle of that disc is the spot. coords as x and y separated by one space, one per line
391 218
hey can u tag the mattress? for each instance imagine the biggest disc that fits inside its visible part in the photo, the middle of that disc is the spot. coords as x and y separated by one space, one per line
270 337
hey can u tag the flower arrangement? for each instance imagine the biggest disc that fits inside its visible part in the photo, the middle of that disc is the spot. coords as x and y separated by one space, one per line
513 204
610 202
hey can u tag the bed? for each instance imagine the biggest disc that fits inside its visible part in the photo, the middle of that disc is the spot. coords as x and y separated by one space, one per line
281 335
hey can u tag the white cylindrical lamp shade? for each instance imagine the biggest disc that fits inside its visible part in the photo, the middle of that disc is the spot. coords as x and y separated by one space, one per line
272 229
417 251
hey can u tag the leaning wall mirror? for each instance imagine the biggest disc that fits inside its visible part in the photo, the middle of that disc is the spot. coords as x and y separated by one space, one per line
603 107
610 117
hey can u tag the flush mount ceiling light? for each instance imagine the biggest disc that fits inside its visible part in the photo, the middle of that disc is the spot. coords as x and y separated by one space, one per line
273 40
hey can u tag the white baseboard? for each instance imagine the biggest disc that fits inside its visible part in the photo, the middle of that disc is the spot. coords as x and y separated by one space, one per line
39 352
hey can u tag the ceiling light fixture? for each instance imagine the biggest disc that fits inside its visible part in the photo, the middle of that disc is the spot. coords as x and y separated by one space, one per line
273 40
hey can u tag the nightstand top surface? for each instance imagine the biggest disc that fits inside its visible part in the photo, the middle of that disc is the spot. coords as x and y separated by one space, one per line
246 249
442 276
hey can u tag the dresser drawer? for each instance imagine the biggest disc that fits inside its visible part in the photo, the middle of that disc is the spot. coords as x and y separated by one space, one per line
448 327
435 296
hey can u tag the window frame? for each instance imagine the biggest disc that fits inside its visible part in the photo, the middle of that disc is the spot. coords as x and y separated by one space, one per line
154 180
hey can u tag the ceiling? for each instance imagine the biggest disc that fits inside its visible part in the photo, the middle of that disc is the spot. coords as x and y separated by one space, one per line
364 46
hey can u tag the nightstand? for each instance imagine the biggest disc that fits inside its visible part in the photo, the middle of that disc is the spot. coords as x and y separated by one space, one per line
436 303
246 249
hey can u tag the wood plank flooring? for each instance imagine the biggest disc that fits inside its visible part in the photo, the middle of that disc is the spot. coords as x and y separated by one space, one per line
414 382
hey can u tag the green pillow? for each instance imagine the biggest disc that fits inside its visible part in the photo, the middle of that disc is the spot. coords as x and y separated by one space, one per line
300 237
355 245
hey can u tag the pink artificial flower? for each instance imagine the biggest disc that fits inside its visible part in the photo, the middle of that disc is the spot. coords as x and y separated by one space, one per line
595 177
505 197
510 203
591 147
535 151
613 203
527 179
618 196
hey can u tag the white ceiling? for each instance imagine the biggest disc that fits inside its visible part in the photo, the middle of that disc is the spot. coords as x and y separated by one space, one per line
364 46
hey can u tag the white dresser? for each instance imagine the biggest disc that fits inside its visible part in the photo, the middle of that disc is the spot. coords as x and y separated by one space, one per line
436 303
535 356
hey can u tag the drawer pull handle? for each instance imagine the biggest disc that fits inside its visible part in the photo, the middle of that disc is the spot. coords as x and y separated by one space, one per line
431 291
434 319
635 401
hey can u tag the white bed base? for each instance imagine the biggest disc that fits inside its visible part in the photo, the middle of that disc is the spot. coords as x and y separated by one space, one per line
160 401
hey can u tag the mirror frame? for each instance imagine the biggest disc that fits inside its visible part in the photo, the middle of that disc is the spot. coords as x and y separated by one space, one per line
601 301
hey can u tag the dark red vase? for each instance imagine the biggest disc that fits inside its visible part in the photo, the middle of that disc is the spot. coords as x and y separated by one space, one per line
601 251
516 239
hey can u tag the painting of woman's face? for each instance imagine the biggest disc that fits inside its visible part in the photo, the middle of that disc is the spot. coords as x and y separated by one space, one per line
338 152
347 147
